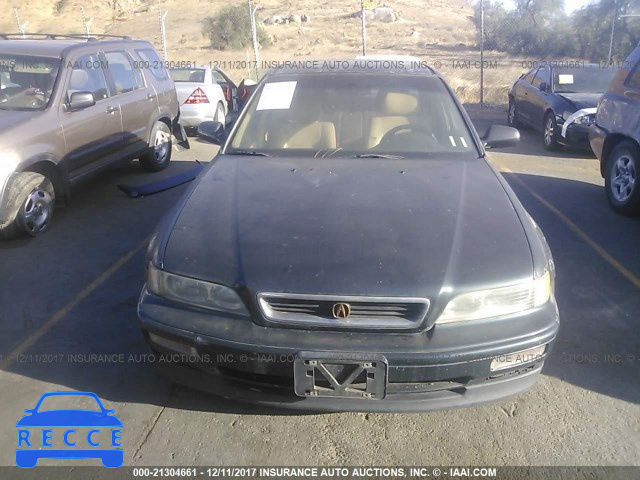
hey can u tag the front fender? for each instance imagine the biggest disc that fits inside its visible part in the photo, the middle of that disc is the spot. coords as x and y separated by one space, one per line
4 197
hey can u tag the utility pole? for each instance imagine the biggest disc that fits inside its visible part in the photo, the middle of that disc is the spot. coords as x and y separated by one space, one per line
86 23
613 30
481 53
254 34
364 28
21 27
163 32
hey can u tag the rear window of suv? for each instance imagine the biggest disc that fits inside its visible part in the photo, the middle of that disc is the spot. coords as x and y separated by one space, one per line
151 61
126 78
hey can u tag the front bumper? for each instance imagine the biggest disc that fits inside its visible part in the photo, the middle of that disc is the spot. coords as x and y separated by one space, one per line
445 367
597 137
576 136
192 115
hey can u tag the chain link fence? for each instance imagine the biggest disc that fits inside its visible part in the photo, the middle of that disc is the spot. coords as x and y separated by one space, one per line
480 46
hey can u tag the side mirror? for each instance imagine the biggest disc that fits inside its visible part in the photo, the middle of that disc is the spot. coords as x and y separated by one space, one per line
544 87
499 136
213 132
80 100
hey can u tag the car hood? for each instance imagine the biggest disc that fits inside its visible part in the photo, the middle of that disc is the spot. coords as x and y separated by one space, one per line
581 100
69 418
349 227
10 119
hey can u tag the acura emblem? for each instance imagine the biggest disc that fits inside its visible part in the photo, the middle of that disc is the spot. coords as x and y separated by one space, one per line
341 310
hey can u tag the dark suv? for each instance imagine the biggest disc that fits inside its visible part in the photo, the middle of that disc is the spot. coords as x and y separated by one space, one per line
615 137
70 107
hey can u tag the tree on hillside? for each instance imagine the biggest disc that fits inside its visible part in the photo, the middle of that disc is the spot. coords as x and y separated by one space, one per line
230 29
541 28
539 12
593 25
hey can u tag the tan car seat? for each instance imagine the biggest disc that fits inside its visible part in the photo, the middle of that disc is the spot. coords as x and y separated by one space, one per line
308 126
397 108
319 135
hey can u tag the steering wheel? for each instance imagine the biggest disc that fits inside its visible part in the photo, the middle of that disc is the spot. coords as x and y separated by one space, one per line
411 129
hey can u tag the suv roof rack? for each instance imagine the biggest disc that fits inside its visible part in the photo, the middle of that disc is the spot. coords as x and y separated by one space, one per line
61 36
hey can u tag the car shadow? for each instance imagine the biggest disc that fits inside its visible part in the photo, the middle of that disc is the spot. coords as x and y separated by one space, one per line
96 345
597 347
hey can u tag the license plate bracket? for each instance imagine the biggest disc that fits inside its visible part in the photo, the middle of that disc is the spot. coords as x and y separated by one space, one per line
343 375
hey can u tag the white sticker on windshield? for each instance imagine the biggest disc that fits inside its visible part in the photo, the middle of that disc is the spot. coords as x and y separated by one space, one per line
277 96
565 79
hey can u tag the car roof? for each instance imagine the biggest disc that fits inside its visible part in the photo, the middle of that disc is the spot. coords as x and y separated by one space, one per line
38 48
55 47
359 66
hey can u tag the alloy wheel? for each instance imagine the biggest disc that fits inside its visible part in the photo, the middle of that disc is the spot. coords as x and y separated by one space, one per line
37 211
511 115
623 178
161 146
549 131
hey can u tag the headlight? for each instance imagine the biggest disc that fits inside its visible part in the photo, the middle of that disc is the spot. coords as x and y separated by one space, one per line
585 119
194 292
498 301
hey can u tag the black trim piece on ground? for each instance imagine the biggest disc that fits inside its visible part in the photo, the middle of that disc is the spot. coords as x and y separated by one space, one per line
135 191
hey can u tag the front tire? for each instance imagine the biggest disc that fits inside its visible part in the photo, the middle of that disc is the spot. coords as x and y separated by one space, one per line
550 132
30 206
158 155
621 179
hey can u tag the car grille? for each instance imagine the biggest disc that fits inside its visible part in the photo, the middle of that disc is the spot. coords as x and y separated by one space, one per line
364 312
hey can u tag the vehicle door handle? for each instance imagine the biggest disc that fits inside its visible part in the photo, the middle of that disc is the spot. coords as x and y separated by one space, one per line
111 109
150 96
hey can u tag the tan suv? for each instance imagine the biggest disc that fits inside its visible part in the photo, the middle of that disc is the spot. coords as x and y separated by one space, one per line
71 107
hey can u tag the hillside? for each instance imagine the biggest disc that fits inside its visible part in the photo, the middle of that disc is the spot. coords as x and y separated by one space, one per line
438 31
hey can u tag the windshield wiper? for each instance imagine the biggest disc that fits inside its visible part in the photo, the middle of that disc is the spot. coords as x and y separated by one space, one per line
377 155
248 153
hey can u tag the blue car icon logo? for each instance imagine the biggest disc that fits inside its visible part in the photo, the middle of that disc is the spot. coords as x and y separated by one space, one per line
69 434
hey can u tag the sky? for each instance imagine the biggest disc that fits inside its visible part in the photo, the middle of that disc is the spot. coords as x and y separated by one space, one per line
571 5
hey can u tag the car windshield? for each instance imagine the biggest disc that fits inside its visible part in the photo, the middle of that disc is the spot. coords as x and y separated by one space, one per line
26 82
582 80
345 114
195 75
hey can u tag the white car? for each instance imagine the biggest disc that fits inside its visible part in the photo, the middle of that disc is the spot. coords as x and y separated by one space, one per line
200 96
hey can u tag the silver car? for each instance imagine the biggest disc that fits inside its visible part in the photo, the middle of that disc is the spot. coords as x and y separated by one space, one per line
201 98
